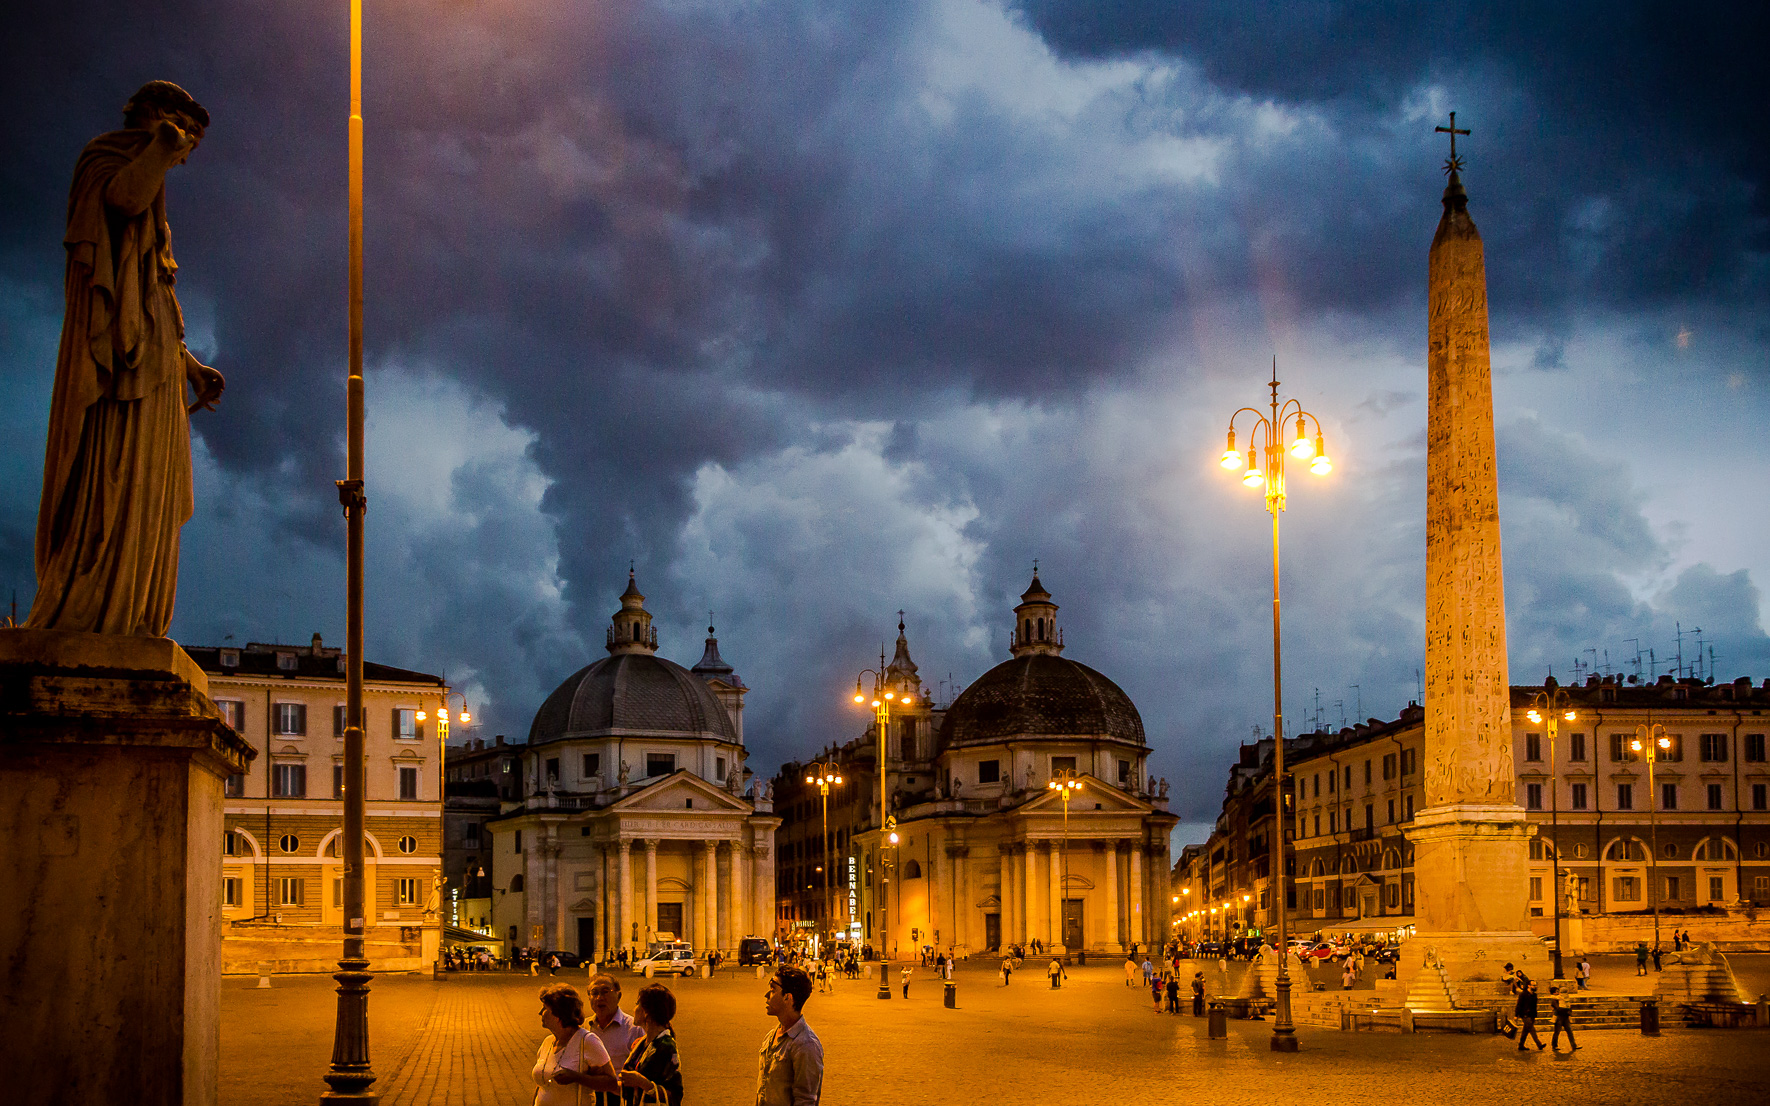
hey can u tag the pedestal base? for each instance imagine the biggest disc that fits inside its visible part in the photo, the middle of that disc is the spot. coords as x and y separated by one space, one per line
112 759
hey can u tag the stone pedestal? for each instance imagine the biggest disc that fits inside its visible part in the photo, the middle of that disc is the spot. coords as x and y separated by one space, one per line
112 759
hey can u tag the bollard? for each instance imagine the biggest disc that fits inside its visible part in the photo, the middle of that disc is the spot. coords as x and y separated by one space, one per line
1650 1017
263 976
951 1001
759 971
1217 1025
1764 1011
706 970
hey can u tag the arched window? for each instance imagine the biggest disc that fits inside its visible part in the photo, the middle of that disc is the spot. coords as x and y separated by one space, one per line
516 883
1390 860
912 870
1716 848
1624 848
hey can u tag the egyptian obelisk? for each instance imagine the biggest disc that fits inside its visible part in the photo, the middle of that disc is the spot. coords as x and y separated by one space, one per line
1471 840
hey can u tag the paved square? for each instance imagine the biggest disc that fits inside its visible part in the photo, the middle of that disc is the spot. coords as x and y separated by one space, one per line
471 1040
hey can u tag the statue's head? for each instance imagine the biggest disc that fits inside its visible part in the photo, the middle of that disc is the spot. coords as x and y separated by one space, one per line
165 100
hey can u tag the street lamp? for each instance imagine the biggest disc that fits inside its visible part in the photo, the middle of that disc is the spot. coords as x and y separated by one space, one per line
349 1077
1066 784
824 775
1550 707
881 700
1651 739
1265 469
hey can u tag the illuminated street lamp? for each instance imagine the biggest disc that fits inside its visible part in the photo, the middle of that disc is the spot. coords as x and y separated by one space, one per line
1550 707
1265 469
824 776
1651 740
1066 784
881 700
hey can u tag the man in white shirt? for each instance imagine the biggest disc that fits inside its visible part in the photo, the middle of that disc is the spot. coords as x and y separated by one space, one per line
608 1022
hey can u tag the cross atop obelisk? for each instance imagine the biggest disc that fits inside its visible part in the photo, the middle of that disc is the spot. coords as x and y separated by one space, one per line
1454 163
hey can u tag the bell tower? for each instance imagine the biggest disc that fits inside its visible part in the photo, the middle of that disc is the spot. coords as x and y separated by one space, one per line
1035 621
630 630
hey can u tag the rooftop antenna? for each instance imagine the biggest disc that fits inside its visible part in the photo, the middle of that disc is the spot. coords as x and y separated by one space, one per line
1358 698
1637 662
1593 667
1340 705
1711 664
1419 678
1652 665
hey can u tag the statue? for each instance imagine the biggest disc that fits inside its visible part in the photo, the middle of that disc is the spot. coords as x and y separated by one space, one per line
1164 787
958 786
768 792
433 902
117 468
623 775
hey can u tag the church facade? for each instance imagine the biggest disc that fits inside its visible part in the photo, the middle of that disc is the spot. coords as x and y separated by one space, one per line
634 826
986 856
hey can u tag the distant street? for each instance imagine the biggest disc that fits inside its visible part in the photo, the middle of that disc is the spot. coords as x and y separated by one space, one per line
472 1040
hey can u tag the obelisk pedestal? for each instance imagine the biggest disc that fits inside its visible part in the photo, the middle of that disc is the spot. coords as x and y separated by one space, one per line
1471 839
112 761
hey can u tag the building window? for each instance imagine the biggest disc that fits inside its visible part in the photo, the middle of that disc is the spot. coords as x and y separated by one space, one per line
1754 747
289 781
1676 751
593 765
1407 804
516 884
1348 777
289 843
1761 887
1536 888
516 838
337 781
338 720
1626 889
234 786
1060 765
1714 795
408 844
660 764
408 783
291 719
1392 896
1333 821
1620 752
471 840
1717 888
1389 767
1124 772
1669 850
405 725
230 891
1578 791
1668 796
1367 773
1533 746
912 869
1625 796
233 712
1533 796
989 771
406 891
289 891
1624 849
1672 888
1317 825
1408 759
287 662
551 770
230 658
1760 796
1391 811
1317 785
1576 746
1714 747
719 769
231 845
1333 781
1370 818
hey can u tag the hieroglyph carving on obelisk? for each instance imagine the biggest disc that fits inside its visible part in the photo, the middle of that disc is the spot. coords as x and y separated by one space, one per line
1468 739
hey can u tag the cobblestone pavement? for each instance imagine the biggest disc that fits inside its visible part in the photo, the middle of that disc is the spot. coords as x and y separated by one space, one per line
471 1041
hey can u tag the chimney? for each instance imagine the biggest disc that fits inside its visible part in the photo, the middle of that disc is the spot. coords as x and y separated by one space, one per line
500 739
316 645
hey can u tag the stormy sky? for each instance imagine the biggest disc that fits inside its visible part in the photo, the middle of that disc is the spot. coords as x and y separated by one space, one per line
819 310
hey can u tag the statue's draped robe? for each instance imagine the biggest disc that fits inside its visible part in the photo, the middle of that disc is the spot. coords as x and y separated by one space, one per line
117 471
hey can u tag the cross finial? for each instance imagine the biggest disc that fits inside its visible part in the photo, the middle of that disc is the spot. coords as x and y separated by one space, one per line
1454 163
900 621
1035 566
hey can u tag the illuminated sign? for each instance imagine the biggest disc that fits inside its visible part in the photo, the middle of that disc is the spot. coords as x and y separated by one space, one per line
853 886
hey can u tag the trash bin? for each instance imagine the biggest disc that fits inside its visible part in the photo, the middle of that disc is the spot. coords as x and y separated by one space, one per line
1217 1024
1649 1017
951 1001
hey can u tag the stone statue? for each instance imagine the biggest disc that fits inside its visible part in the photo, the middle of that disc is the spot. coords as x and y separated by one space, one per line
958 786
624 771
117 469
433 902
733 782
1164 787
768 792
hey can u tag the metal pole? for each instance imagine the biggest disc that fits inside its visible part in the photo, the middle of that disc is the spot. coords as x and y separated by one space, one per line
1653 840
1284 1033
1555 830
884 717
823 791
349 1077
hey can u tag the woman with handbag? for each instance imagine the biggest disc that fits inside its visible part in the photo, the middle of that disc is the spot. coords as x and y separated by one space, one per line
653 1070
568 1052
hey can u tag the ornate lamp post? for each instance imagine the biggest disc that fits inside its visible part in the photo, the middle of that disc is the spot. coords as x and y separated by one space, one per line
1549 707
882 698
1066 784
1265 468
349 1077
1651 739
824 776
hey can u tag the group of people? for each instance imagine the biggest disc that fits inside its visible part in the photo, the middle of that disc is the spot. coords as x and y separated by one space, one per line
1527 1007
1680 942
632 1059
464 960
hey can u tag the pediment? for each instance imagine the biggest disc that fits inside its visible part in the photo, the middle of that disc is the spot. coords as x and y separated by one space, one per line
1110 799
674 792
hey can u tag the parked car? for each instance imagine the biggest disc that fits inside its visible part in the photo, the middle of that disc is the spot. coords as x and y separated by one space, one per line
566 959
754 950
1323 951
670 961
1207 949
1386 954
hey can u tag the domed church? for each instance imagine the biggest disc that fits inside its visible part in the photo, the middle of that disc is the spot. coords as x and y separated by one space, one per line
636 823
984 857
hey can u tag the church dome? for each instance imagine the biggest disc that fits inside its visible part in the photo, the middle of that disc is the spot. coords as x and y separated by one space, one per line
1040 695
632 691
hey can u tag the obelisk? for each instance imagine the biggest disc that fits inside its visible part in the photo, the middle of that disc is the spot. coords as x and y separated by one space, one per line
1471 840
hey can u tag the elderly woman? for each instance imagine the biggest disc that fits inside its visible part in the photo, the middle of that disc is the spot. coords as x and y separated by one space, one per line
653 1069
568 1052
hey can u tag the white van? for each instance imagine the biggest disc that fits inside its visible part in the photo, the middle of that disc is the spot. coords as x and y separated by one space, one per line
668 961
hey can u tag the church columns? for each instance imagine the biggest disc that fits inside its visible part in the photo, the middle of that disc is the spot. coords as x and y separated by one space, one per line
1005 896
762 878
604 898
1135 915
651 891
1054 922
1029 893
963 910
740 885
707 896
624 892
1114 934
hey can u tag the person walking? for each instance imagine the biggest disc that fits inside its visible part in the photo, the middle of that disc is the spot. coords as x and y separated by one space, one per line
1198 994
1007 970
1173 988
1656 955
1640 957
653 1068
1348 977
1526 1011
792 1059
1055 971
906 979
1130 972
1584 973
567 1053
1563 1008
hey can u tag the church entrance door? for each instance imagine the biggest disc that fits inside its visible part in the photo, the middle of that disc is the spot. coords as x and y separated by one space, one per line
992 931
670 920
1072 924
586 937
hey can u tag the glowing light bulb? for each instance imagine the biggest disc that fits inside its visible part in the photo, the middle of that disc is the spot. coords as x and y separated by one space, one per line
1321 466
466 718
1302 449
1534 715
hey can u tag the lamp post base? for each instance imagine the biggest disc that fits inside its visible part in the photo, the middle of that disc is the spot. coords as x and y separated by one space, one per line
1284 1033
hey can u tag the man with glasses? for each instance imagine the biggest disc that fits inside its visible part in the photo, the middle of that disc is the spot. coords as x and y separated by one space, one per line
608 1022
